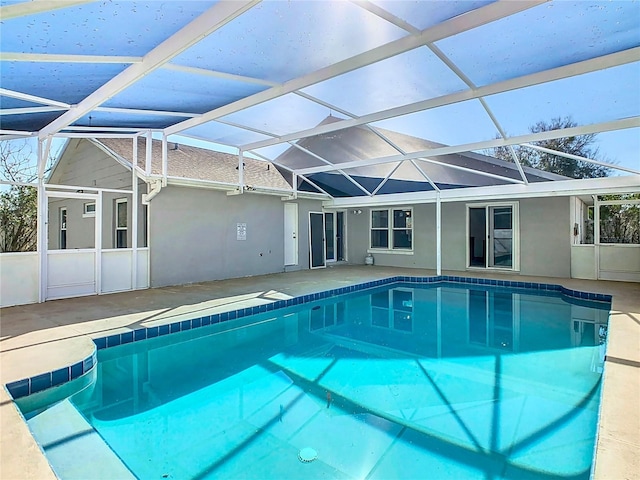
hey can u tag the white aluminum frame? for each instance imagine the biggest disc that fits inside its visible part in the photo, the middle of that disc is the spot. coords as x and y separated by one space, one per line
515 229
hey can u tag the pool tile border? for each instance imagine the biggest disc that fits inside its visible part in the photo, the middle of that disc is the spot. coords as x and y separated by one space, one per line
37 383
185 325
54 378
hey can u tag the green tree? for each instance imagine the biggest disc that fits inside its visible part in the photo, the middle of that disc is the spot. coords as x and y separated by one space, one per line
18 203
620 223
580 145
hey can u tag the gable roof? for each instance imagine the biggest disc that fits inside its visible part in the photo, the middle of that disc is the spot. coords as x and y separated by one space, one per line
185 161
358 143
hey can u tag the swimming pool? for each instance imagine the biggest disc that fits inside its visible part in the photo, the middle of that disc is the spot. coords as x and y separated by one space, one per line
454 380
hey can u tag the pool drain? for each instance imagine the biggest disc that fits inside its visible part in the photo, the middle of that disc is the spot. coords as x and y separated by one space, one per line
307 455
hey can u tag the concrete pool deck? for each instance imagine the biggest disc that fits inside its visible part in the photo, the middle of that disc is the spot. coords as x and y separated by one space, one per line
43 337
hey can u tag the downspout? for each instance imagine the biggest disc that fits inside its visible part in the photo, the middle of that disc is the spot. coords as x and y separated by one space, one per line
153 188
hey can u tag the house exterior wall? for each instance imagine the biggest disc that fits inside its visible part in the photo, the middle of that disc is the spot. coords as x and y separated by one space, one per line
193 235
80 231
545 248
424 239
545 237
86 165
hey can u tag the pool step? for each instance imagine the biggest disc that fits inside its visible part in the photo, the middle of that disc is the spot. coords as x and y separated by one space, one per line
65 436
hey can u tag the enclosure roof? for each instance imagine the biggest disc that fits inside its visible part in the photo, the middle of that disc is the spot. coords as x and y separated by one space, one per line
460 76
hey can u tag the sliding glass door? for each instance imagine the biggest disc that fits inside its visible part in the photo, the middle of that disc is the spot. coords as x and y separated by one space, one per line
501 238
491 236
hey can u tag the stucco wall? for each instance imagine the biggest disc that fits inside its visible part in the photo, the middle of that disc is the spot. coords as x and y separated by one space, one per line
193 235
545 248
424 240
86 165
545 237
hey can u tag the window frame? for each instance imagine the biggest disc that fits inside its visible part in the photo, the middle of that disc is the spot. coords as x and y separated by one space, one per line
116 226
390 228
597 228
86 213
515 236
62 231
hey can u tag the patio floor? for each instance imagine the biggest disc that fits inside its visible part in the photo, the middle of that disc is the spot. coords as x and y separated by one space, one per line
43 337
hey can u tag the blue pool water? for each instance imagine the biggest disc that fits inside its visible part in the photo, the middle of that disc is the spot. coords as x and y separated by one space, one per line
412 381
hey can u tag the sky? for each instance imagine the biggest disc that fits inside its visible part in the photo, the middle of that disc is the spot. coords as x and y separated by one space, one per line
521 44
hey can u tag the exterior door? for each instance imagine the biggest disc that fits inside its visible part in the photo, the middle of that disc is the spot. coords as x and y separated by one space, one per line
491 236
330 236
501 240
334 235
317 254
290 233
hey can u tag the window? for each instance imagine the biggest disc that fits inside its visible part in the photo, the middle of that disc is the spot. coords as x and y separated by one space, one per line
393 309
394 235
121 223
63 228
89 210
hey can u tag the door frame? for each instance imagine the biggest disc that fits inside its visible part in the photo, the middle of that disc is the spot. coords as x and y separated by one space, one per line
515 237
293 211
335 214
324 245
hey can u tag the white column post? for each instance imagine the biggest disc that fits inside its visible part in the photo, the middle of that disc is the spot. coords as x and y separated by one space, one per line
42 224
134 228
149 144
135 152
438 234
596 235
165 160
240 171
98 243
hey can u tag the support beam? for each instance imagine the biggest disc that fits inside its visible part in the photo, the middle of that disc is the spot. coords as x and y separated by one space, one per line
28 110
216 74
240 171
438 234
139 111
61 58
165 160
557 188
148 166
98 242
210 21
380 135
335 167
93 135
462 76
581 159
18 133
5 92
41 225
631 122
385 179
579 68
37 6
135 205
453 26
293 174
129 130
